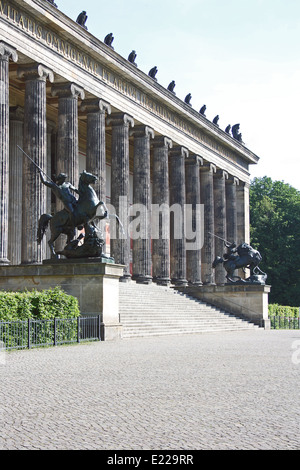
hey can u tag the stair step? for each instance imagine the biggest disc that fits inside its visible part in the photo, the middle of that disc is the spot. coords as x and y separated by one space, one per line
147 310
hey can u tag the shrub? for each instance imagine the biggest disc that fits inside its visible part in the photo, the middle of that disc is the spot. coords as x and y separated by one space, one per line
45 304
283 311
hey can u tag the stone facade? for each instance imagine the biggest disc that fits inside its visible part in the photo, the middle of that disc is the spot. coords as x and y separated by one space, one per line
74 103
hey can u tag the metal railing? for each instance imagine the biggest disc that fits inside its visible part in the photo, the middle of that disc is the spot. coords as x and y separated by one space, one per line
26 334
284 323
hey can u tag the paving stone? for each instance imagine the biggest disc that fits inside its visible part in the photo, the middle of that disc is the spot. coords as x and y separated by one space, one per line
232 390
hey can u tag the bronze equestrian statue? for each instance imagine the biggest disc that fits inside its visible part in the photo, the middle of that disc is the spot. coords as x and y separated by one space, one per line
241 257
76 214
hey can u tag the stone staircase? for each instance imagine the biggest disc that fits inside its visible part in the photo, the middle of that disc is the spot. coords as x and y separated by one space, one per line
151 310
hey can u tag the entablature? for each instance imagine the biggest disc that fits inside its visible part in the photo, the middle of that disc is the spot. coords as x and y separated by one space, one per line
76 55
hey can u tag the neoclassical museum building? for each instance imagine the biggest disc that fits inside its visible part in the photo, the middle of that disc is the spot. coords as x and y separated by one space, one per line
72 103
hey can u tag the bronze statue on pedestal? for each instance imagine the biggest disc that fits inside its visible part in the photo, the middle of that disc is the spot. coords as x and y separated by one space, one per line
76 214
242 257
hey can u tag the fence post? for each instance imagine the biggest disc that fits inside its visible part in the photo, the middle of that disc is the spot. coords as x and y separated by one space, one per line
78 330
99 327
54 342
29 333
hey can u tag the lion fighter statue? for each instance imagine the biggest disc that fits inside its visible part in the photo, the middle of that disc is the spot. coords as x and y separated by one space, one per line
242 257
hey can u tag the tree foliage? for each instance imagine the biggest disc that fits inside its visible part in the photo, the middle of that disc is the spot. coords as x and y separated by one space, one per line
275 232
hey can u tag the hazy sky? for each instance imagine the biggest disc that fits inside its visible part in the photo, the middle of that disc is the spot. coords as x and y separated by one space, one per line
238 57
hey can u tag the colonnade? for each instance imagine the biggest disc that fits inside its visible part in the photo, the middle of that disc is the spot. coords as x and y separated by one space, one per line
178 177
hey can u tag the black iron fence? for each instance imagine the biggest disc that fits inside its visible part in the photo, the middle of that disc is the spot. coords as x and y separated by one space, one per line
279 322
32 333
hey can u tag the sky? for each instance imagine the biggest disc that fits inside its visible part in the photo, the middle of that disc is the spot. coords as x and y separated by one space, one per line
238 57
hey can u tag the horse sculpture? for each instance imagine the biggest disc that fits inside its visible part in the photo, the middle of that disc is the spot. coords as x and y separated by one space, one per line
246 257
84 212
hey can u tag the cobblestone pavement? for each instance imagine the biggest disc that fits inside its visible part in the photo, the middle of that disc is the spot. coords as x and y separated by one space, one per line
233 390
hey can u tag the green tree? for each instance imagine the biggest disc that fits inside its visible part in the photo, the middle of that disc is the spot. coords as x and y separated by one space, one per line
275 232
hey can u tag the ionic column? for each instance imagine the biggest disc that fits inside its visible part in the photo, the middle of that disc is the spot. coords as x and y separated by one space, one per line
177 207
231 209
193 246
243 213
51 130
220 221
243 218
120 242
96 110
6 52
141 256
51 150
16 119
35 145
67 135
207 199
160 211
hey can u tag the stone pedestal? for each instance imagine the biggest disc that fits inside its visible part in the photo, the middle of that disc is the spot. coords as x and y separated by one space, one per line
249 302
95 284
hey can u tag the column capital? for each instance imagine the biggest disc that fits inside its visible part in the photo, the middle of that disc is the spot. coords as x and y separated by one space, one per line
67 90
194 159
244 184
95 105
36 71
121 119
179 151
162 141
221 174
142 131
209 167
233 180
8 52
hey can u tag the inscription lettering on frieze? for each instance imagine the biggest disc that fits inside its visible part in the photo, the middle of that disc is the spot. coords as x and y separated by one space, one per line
33 28
36 30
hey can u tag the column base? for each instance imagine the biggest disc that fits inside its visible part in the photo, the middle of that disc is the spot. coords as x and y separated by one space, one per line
162 281
179 282
195 284
4 262
141 279
125 278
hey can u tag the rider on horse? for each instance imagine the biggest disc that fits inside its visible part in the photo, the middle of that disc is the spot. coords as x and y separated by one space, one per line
61 189
241 257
